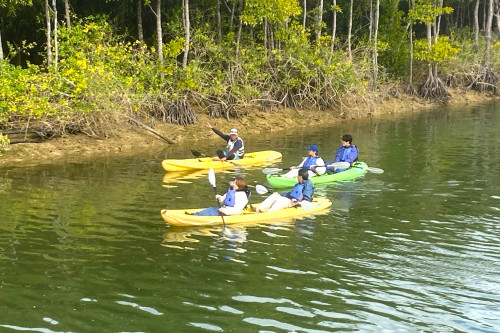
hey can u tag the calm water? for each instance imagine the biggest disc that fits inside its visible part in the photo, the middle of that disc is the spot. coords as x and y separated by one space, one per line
417 249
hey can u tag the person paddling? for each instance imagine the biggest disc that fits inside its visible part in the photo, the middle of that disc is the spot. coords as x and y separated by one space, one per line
233 202
310 163
303 190
347 152
235 146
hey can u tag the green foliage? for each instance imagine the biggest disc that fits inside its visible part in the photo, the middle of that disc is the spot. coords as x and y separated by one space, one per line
425 11
4 140
276 11
440 51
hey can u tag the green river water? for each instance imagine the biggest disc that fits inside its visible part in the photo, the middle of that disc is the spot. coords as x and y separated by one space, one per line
83 247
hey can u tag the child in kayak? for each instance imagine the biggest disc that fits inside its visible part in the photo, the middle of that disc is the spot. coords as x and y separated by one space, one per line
303 190
347 152
235 146
312 163
233 202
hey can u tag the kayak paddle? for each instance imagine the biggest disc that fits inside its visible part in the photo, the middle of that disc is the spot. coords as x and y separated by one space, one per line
375 170
340 165
306 205
211 179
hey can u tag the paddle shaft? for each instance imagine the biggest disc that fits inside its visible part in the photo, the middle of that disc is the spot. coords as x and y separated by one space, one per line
218 204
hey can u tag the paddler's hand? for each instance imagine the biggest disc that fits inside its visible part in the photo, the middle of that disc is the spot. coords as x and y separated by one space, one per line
208 125
223 159
218 196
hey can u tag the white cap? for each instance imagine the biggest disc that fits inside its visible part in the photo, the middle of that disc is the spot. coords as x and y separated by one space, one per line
233 131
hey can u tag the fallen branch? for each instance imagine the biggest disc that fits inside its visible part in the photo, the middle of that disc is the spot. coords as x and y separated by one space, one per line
148 128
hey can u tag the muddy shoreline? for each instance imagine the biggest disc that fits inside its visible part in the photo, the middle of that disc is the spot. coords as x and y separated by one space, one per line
135 139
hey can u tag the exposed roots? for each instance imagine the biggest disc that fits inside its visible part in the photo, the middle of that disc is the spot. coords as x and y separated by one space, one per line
451 81
433 89
486 80
177 112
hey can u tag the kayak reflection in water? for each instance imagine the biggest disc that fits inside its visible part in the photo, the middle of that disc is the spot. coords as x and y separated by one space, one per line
233 202
347 152
302 191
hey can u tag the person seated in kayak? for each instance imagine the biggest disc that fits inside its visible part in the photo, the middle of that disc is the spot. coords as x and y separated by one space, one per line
347 152
313 163
303 190
235 146
233 202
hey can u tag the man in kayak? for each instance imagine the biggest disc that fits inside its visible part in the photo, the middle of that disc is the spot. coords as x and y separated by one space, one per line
235 146
233 202
313 163
303 190
347 152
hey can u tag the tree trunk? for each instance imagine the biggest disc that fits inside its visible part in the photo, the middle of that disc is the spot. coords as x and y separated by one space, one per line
219 22
476 26
67 13
375 49
1 48
497 14
305 15
319 20
49 33
140 31
334 30
487 35
238 36
409 89
186 33
159 32
350 30
56 44
265 33
370 26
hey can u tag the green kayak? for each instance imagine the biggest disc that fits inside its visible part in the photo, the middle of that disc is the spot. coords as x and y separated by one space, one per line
358 170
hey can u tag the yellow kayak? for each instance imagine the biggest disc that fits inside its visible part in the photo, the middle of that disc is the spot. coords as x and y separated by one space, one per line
257 157
183 217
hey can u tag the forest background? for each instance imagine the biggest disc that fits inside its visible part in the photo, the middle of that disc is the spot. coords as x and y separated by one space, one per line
93 66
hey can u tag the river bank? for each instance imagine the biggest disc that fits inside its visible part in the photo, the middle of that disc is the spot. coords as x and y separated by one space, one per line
133 139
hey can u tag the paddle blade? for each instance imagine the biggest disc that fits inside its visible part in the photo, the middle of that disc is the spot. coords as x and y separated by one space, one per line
234 163
197 153
375 170
211 177
261 189
306 205
271 171
340 165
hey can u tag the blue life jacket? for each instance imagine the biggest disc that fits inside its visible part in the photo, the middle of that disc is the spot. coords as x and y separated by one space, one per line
296 192
230 198
310 161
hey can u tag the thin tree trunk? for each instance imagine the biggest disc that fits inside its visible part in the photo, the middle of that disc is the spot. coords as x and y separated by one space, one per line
319 20
67 13
219 22
305 15
484 17
334 30
49 33
429 44
159 32
56 44
375 49
238 36
1 48
488 34
265 33
186 33
140 31
370 26
410 88
497 14
476 26
350 30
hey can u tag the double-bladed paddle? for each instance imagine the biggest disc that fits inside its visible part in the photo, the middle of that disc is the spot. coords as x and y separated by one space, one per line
306 205
340 165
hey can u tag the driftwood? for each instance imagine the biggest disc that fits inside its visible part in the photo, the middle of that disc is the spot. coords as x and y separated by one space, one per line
147 128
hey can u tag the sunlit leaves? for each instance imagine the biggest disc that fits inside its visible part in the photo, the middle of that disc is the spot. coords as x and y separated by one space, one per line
440 51
276 11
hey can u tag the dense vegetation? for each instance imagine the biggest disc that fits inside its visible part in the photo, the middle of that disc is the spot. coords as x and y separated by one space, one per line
86 66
